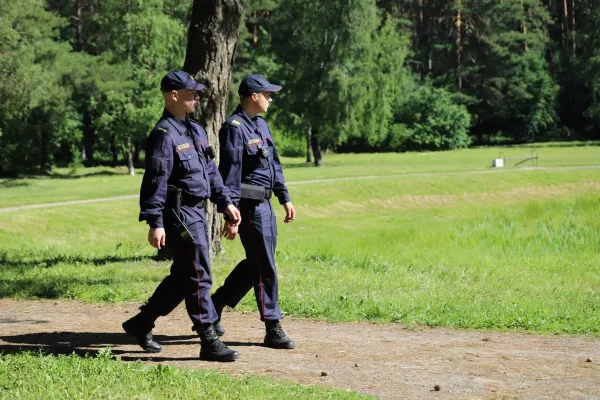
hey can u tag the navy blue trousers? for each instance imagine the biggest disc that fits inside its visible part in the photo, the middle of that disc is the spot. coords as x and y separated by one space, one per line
258 233
190 278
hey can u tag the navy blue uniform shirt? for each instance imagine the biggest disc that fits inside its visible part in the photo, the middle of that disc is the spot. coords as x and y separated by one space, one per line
176 156
248 155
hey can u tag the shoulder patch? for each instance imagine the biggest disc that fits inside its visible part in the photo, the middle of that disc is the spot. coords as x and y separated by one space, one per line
162 129
235 122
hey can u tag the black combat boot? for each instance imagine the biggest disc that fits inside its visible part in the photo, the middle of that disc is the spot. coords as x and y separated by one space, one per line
276 337
218 327
140 327
211 347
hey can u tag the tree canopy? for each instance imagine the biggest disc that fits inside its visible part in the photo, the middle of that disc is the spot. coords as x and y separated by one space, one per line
80 77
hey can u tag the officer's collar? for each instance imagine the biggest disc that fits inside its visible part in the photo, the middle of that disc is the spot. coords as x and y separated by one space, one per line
181 126
252 121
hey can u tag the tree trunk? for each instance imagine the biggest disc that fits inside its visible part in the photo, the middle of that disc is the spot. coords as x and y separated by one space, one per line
136 152
78 26
565 25
129 156
113 150
88 139
573 28
88 131
458 45
316 148
212 39
524 27
308 141
254 29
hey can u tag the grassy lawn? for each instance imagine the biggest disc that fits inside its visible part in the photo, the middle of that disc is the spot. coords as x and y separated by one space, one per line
103 377
101 182
422 244
518 249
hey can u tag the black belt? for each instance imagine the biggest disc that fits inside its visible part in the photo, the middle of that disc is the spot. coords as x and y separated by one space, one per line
194 203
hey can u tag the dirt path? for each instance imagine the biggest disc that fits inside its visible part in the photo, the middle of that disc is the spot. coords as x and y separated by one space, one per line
387 361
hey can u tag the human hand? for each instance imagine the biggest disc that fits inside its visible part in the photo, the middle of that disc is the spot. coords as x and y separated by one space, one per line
290 212
229 230
157 237
234 215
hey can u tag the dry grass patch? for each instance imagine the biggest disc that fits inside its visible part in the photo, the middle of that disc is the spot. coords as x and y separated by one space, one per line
408 202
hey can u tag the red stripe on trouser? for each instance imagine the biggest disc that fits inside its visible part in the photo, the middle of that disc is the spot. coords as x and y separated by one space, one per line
198 290
262 301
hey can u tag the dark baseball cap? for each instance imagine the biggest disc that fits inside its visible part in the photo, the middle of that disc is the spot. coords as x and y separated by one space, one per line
176 80
256 84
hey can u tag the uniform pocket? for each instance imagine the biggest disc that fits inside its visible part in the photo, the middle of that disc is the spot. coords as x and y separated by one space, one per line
252 150
189 161
251 159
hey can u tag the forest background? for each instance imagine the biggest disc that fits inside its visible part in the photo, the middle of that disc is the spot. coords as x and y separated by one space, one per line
80 78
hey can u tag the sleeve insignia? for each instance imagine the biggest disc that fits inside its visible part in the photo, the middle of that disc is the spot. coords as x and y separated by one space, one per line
235 122
162 129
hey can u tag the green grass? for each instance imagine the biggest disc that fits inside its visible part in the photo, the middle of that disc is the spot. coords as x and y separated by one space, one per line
91 183
532 268
517 249
551 155
103 377
512 249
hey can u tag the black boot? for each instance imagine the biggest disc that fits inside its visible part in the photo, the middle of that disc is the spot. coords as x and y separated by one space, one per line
140 327
211 347
218 327
276 337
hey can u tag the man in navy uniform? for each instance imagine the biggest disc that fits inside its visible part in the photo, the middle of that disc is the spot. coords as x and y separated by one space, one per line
180 177
250 168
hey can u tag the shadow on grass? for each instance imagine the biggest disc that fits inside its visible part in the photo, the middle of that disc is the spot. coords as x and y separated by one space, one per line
50 261
56 288
570 144
297 165
10 182
24 283
18 180
53 286
53 175
540 145
90 343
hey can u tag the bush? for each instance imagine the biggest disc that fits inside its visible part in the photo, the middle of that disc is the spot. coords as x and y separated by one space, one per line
429 120
288 146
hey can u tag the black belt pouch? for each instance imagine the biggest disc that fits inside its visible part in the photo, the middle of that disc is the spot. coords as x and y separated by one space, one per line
253 192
